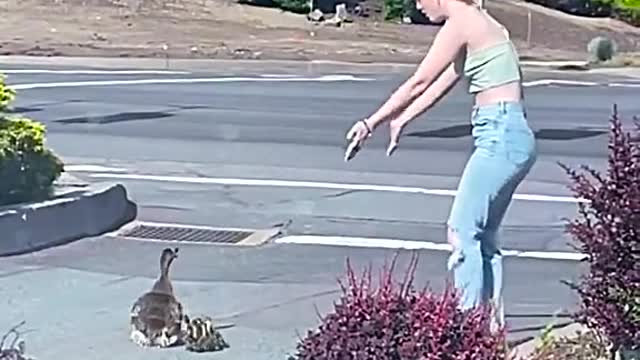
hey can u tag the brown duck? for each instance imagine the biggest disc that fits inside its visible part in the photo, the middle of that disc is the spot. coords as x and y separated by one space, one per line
157 318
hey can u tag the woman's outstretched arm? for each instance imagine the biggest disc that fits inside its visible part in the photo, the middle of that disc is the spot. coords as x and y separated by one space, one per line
433 94
445 48
427 99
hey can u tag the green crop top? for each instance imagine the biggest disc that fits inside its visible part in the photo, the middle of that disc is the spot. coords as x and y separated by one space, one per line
492 66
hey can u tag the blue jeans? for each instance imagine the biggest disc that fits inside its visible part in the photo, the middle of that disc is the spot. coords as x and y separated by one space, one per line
505 151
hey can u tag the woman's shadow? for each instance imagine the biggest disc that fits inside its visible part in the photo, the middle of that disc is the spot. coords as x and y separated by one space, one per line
459 131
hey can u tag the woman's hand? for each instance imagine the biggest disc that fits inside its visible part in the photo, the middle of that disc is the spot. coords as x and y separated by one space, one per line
356 136
395 131
359 132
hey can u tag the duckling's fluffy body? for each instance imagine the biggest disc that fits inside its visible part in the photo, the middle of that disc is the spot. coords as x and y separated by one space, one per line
202 336
158 319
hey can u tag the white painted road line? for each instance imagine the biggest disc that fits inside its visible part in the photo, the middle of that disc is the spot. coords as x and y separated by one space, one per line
93 168
270 78
277 76
93 72
325 78
346 241
547 82
630 85
317 185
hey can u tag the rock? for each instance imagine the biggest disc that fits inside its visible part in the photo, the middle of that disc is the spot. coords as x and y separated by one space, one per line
98 37
341 16
341 12
315 16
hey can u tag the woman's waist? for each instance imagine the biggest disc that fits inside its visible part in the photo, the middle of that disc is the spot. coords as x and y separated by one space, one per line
501 114
510 92
499 108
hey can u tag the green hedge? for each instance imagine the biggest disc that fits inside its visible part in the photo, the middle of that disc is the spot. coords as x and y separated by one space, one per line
294 6
27 168
7 95
595 8
396 9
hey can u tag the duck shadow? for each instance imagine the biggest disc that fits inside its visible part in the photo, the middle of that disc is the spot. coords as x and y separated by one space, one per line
460 131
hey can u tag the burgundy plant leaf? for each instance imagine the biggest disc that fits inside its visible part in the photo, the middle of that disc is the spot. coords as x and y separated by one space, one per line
607 231
396 322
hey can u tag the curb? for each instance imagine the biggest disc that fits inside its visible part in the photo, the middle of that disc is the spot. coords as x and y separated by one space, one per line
183 64
91 211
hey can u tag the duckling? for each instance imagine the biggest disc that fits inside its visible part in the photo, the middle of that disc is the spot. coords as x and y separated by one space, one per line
203 336
17 349
157 317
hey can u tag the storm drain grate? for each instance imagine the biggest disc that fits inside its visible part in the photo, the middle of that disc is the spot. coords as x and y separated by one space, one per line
190 234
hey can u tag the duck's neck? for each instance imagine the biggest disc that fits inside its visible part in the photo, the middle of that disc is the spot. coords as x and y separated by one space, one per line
165 264
164 272
163 283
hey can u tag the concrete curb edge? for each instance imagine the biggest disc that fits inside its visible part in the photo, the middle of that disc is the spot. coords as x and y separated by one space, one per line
180 64
97 209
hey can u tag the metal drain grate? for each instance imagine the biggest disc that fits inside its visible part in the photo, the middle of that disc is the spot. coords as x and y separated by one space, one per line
190 234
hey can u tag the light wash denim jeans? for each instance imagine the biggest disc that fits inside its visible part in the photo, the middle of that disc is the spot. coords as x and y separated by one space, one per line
505 151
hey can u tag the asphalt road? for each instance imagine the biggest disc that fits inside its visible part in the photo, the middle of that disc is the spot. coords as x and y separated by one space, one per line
295 131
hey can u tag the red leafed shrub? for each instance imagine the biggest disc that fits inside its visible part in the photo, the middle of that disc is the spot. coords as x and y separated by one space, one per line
608 232
396 322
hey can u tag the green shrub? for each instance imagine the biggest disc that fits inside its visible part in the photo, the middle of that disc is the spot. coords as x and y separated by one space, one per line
585 345
27 168
602 48
616 9
7 95
295 6
628 15
394 9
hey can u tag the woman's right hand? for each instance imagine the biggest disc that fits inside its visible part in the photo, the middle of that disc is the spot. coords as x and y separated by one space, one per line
356 136
359 132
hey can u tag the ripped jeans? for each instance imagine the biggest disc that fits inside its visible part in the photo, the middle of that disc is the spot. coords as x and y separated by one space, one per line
505 151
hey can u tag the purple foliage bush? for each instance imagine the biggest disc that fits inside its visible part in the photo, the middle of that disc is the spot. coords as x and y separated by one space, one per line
607 230
396 322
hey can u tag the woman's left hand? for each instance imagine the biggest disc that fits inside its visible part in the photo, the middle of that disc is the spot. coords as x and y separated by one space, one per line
395 131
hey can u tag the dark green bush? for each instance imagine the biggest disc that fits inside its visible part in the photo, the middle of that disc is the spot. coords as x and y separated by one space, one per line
394 9
602 48
7 95
595 8
585 345
27 168
295 6
628 15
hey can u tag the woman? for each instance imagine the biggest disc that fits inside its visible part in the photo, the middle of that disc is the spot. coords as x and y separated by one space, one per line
473 45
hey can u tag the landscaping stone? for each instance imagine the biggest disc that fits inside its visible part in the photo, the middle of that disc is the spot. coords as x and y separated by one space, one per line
77 210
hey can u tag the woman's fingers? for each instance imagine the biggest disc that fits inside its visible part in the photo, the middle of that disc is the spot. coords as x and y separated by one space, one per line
395 129
391 148
354 131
